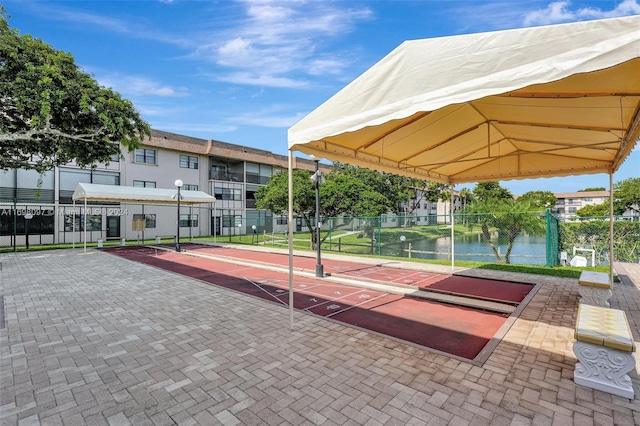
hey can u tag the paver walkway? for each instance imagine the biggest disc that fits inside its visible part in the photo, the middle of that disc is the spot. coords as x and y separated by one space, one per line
99 340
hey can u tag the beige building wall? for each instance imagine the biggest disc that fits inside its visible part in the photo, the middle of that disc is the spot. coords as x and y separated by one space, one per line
162 173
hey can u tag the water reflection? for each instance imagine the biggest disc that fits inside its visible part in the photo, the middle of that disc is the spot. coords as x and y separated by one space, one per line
527 249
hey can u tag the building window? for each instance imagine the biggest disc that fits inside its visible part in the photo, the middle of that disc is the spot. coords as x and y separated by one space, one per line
94 222
70 178
189 187
188 162
188 220
231 221
230 194
144 184
42 222
146 156
258 173
149 219
226 169
282 220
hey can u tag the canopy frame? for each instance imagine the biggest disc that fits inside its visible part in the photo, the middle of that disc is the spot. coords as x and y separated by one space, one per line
550 101
132 195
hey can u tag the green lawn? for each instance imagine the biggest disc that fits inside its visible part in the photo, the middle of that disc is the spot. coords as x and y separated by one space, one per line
302 242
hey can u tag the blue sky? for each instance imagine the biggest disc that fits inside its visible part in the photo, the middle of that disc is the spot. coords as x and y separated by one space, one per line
244 71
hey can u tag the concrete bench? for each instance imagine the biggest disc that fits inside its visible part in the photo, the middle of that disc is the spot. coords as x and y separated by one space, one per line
604 347
160 237
595 288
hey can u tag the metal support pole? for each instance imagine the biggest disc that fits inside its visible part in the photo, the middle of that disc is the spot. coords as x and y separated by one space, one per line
178 224
15 222
178 183
319 267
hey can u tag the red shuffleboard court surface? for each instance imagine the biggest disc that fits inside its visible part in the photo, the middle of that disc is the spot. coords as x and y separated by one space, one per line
459 331
334 267
502 291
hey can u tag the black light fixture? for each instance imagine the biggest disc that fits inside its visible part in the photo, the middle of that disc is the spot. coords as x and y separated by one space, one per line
27 217
318 179
178 183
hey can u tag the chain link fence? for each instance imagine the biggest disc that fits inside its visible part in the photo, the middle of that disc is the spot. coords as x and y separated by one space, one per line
534 238
587 240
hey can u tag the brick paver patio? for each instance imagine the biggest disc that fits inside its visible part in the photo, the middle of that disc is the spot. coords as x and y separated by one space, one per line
94 339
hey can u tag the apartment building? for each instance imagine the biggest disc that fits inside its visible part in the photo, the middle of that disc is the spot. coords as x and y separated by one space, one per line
42 206
569 202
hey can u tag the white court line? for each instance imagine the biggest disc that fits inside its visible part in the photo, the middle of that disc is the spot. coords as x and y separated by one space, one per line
257 285
336 299
399 279
355 306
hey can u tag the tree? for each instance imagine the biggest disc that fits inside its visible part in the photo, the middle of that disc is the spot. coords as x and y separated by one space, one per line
340 194
594 210
397 190
539 199
274 196
51 112
599 188
466 196
504 218
343 195
626 196
490 190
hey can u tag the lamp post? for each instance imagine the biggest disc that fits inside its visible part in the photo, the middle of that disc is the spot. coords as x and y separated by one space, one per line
318 179
27 218
402 240
253 228
178 183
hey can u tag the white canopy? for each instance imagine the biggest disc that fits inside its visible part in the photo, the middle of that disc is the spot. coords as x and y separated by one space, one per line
131 194
534 102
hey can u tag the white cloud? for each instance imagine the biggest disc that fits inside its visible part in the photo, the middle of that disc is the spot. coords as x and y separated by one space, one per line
72 16
255 79
560 11
277 43
260 42
141 86
191 128
275 116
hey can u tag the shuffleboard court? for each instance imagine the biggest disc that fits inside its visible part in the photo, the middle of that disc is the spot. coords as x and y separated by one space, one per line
333 267
459 331
504 291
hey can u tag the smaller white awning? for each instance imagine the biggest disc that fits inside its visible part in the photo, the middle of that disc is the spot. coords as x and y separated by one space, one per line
131 194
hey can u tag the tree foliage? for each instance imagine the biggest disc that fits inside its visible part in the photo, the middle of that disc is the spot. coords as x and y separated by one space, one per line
599 188
594 234
484 191
396 190
502 219
539 199
346 191
594 210
52 113
626 195
274 196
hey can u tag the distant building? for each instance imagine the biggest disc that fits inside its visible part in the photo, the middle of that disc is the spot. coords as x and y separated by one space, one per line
569 202
231 173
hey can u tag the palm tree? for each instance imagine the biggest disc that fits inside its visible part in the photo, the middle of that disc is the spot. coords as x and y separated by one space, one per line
509 217
465 195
